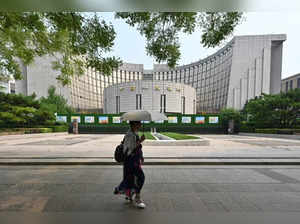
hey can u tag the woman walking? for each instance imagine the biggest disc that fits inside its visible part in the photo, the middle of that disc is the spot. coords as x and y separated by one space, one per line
133 175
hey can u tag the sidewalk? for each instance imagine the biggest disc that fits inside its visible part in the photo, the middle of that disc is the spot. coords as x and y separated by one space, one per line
64 149
295 137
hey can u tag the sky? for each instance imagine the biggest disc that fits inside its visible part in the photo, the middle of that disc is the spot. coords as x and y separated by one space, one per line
130 45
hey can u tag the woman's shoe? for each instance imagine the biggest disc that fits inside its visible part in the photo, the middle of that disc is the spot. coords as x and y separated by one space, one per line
139 203
118 191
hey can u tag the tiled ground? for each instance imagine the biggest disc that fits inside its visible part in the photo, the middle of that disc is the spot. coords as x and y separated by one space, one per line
167 189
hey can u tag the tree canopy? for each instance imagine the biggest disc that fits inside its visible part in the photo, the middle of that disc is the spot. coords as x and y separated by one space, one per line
17 110
76 40
80 40
161 30
274 111
55 103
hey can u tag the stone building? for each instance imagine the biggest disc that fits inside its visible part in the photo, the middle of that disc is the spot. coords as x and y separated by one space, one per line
244 68
149 94
291 82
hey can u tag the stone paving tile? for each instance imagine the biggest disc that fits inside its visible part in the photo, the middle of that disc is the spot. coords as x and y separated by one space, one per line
277 175
168 188
182 202
292 173
161 202
227 137
247 187
244 204
220 176
271 201
268 142
23 203
212 202
55 142
231 204
294 187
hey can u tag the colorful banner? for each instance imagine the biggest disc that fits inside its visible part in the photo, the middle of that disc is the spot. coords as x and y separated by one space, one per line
61 118
116 120
75 117
103 120
199 120
89 119
213 120
186 120
172 120
146 122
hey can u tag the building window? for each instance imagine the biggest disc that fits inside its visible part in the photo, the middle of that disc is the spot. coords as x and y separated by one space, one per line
117 104
298 83
286 86
163 103
138 101
183 104
291 84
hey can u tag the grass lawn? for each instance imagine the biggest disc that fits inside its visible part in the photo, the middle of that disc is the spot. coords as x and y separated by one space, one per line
178 136
147 135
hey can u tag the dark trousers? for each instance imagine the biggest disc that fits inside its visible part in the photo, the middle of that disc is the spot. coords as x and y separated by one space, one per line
133 175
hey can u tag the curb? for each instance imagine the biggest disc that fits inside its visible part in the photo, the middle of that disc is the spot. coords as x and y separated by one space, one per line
167 163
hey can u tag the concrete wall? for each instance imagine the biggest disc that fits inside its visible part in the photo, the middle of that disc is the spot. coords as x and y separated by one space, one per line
256 68
38 77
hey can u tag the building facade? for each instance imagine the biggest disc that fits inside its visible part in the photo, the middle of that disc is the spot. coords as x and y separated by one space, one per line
7 87
163 96
246 67
292 82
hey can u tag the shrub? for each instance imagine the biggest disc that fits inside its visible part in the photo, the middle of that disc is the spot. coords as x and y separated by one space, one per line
37 130
230 114
61 128
245 128
266 131
277 131
187 129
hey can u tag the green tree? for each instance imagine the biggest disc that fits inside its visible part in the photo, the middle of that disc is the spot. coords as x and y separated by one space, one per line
230 114
79 40
76 40
161 30
23 111
55 103
277 111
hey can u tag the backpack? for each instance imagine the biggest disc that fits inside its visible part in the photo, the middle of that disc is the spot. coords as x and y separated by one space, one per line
119 154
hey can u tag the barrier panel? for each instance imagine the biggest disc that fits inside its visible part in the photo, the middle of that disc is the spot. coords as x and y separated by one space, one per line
111 123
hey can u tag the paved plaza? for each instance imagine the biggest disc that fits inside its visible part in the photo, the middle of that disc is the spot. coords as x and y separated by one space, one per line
99 149
263 194
193 190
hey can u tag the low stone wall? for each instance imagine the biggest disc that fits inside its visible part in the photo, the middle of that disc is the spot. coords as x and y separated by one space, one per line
192 142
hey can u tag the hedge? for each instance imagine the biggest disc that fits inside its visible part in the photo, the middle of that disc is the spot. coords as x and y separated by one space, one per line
247 129
277 131
36 130
62 128
185 129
